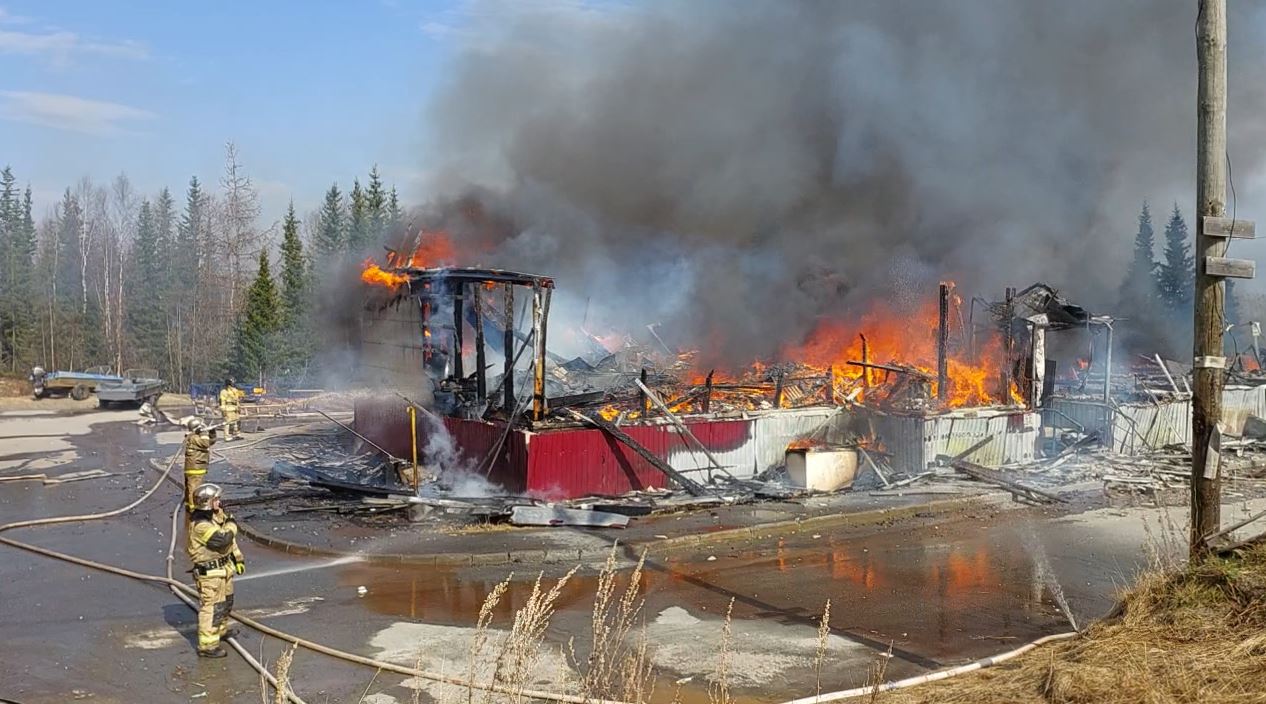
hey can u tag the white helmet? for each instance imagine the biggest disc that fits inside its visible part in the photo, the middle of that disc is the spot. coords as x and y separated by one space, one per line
192 423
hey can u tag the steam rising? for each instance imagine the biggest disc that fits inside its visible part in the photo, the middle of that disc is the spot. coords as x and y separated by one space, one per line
735 171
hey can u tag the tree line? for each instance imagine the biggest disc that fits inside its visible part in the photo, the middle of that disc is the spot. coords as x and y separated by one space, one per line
1157 295
129 280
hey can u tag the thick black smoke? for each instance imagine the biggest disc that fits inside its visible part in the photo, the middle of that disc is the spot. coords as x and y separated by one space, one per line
737 170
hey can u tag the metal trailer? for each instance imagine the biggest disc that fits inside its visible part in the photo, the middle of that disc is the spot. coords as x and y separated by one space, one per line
77 385
135 387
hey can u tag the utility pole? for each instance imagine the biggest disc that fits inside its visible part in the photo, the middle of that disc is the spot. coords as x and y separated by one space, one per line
1208 369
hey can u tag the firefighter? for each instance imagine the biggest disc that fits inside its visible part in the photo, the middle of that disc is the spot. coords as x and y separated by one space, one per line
216 560
198 442
230 400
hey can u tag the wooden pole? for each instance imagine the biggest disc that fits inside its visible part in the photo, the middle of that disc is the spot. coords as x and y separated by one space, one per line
538 339
507 345
481 364
1008 341
942 337
707 395
865 361
778 390
1207 373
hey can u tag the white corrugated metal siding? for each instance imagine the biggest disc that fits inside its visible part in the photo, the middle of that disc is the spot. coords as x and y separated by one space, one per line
914 441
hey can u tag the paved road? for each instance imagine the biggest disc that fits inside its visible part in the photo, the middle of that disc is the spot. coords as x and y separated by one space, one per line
936 590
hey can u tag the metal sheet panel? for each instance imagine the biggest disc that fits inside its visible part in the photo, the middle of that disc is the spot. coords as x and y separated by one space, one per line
1240 402
913 442
1139 428
570 463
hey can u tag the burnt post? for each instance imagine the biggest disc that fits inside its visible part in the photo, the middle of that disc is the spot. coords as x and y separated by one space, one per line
539 306
865 363
458 334
707 392
778 390
481 366
507 346
643 401
424 301
942 336
1008 342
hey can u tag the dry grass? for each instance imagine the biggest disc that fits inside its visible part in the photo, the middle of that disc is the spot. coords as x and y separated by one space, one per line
1194 635
281 693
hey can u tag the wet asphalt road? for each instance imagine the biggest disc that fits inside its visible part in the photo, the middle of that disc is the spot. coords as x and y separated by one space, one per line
936 591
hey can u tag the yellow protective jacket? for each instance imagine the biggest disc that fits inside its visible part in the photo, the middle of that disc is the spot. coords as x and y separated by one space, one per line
198 452
230 398
213 543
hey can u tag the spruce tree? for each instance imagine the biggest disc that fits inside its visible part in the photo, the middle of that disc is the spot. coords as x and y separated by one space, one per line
145 315
22 283
376 208
395 215
255 340
358 220
10 212
1175 277
1138 290
293 271
330 241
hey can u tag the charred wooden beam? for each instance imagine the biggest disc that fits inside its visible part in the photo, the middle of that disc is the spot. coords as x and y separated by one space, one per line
1008 342
481 366
459 371
778 391
942 337
642 401
539 306
865 365
893 368
707 396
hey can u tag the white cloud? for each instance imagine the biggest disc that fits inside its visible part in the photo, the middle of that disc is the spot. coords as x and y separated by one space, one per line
7 17
62 46
69 112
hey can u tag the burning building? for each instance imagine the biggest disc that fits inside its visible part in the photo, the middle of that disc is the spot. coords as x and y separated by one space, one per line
907 386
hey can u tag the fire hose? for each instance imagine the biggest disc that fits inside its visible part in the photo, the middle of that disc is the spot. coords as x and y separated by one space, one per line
186 594
182 588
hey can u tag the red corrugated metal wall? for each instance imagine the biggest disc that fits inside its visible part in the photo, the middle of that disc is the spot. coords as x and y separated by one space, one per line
556 464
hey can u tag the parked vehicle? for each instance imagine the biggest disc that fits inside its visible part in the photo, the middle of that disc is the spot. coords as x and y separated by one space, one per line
77 385
135 387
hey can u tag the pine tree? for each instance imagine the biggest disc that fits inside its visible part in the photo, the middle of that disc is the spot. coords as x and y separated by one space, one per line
330 239
395 214
145 315
358 221
293 274
255 340
376 208
1175 277
10 211
1138 290
22 284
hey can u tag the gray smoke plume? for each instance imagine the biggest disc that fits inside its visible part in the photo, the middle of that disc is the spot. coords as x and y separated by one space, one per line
738 170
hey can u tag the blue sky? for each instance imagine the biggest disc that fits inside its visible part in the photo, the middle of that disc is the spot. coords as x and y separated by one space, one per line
311 92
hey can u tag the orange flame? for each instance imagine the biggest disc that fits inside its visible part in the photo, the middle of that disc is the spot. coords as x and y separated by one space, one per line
377 276
434 249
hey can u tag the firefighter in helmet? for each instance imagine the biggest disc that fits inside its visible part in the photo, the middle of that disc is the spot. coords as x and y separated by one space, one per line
216 560
198 441
230 404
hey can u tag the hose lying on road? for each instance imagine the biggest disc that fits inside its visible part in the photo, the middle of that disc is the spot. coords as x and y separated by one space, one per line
180 588
931 676
188 591
174 586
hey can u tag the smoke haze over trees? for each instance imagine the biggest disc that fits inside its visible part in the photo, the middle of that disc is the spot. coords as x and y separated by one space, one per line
113 277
